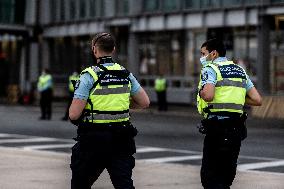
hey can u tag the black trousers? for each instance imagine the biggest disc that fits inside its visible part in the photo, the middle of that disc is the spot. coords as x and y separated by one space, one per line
219 162
45 104
162 100
100 150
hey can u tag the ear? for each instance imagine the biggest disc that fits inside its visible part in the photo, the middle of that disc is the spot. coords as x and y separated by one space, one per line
113 51
95 50
216 54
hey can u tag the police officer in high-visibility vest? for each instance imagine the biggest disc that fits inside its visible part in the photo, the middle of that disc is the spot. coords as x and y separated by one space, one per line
71 81
100 108
161 91
224 89
44 86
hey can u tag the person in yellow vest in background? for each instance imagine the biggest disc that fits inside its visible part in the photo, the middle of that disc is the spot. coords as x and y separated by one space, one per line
44 87
161 91
71 83
100 109
224 89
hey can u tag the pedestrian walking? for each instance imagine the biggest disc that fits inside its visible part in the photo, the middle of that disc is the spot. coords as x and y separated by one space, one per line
71 83
100 109
44 87
224 89
161 91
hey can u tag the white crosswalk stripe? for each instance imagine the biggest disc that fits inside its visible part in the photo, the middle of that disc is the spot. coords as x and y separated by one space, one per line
149 149
173 159
144 153
47 146
26 140
260 165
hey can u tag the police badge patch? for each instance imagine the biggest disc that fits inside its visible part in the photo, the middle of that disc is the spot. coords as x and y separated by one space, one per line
204 76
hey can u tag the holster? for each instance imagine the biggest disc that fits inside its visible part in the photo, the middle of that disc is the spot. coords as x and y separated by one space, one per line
235 126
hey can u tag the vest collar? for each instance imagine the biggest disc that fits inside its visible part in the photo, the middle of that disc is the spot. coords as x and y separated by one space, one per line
219 60
105 60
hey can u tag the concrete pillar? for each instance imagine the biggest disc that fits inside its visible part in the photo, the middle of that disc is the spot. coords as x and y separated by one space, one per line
34 61
263 62
45 55
133 54
22 76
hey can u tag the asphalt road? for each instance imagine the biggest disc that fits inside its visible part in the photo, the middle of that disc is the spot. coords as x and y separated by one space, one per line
169 137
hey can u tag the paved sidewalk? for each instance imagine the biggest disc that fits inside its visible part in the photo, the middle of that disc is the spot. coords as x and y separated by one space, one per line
47 170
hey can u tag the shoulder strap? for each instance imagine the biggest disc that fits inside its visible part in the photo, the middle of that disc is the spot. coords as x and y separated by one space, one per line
119 73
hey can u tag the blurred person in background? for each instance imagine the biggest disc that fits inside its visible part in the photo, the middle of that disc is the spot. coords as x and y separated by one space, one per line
44 87
100 109
161 91
224 89
71 84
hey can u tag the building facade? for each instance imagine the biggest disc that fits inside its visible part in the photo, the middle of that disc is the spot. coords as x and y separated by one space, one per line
153 37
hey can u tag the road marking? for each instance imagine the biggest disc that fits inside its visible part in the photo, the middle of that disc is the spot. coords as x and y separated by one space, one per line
4 135
250 166
149 149
173 150
48 146
172 159
188 155
24 140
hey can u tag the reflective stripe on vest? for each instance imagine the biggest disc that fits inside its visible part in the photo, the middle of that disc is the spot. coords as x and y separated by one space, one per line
226 106
109 100
105 90
230 90
227 82
106 116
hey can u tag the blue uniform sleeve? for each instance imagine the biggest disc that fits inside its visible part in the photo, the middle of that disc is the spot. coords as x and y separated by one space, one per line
208 75
83 86
135 86
249 84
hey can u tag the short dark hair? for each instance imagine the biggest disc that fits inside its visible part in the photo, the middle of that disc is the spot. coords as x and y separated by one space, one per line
215 44
46 70
104 41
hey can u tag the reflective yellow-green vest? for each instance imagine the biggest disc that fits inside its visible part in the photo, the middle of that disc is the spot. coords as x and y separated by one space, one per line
230 90
72 78
109 99
160 84
43 82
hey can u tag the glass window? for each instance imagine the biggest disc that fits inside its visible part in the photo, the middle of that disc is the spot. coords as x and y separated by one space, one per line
72 9
82 9
277 1
170 5
92 8
230 3
20 8
7 11
96 8
53 7
151 5
210 3
161 53
62 10
122 7
251 2
191 4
